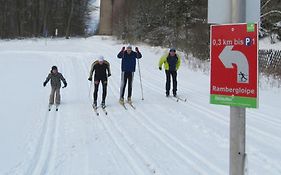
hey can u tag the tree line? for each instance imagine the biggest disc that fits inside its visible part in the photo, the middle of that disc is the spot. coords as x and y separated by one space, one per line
172 23
35 18
180 23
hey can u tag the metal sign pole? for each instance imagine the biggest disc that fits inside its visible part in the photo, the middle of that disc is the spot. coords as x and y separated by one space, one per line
237 114
237 140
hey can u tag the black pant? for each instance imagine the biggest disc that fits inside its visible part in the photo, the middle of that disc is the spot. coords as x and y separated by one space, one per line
168 81
126 76
104 89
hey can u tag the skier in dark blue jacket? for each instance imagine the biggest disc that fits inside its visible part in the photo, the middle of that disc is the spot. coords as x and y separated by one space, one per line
128 67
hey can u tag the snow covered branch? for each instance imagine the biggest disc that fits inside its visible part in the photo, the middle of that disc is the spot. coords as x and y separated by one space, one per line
268 13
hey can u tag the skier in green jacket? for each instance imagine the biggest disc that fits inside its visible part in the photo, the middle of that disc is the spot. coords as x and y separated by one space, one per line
171 63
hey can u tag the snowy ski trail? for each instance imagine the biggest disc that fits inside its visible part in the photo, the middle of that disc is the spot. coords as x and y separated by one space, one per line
161 137
46 146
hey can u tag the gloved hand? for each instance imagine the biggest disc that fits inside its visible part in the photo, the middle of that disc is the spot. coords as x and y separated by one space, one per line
160 68
108 75
90 78
137 49
65 84
44 84
123 49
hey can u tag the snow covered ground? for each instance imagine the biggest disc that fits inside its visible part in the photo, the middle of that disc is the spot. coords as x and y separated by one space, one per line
161 136
265 44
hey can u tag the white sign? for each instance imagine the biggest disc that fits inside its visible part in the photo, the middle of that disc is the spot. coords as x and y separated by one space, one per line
220 11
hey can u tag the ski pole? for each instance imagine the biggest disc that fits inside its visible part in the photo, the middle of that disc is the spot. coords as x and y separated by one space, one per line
90 89
140 80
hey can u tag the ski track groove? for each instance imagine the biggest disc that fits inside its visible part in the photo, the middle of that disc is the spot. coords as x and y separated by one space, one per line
77 63
201 108
261 117
218 117
177 152
179 143
46 142
254 114
221 118
152 168
168 145
258 115
50 160
127 156
146 161
171 148
34 161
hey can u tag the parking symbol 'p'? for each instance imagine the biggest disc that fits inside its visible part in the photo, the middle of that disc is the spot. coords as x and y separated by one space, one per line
248 41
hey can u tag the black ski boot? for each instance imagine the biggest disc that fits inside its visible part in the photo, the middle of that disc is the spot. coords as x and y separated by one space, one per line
95 105
167 94
103 105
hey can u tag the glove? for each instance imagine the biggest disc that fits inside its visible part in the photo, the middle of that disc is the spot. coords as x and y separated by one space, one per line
44 84
108 75
123 49
137 49
65 84
160 68
90 78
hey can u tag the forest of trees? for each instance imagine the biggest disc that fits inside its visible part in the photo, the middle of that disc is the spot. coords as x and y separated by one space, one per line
271 17
35 18
171 23
180 23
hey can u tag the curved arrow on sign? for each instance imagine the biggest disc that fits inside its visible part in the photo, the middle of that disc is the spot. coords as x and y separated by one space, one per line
229 57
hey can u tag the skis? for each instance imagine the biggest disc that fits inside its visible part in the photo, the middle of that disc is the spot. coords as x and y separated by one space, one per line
97 112
130 104
177 98
50 107
104 110
180 99
124 106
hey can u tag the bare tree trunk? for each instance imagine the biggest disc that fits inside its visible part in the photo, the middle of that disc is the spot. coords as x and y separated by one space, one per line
45 18
69 20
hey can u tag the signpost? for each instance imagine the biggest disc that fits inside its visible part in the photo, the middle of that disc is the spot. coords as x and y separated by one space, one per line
234 66
234 81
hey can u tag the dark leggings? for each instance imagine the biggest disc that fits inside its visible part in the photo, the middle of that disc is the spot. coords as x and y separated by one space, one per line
126 76
104 89
170 74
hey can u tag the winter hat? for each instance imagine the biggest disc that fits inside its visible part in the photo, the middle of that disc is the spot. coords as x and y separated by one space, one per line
129 47
101 58
172 50
54 68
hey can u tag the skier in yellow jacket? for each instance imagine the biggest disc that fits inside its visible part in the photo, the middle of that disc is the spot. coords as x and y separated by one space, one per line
171 63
